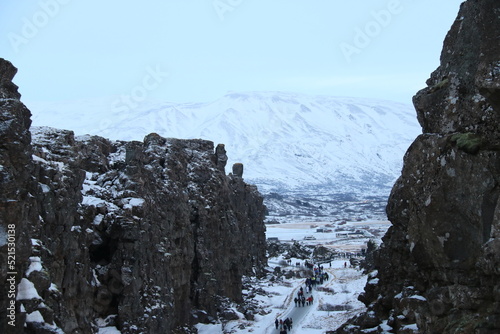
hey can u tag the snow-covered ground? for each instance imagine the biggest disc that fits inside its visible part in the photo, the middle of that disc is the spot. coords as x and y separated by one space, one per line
343 236
335 301
339 292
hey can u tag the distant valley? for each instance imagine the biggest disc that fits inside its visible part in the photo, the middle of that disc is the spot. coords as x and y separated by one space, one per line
291 144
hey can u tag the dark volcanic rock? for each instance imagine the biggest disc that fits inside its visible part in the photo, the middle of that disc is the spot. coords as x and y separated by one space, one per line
17 189
439 264
238 169
149 234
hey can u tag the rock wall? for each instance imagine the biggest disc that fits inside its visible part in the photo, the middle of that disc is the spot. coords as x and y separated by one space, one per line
148 236
438 270
17 204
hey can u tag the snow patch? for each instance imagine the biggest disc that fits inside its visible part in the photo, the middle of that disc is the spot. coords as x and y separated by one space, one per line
38 159
412 327
36 243
422 298
26 290
95 281
110 330
92 200
3 236
131 202
35 316
98 219
45 188
209 329
76 228
385 327
35 265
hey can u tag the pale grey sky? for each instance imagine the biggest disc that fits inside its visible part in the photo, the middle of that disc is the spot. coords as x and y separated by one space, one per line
70 49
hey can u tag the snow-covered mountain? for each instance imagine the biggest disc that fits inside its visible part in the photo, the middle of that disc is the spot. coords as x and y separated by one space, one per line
285 140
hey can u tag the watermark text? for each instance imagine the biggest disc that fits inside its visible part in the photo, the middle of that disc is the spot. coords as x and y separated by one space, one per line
122 106
224 6
364 35
11 275
31 26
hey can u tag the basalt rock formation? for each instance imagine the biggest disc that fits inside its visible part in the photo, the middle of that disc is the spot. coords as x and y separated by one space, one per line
438 270
148 236
17 204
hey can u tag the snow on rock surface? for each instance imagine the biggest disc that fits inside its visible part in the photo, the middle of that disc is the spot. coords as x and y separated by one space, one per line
35 265
34 317
109 330
26 290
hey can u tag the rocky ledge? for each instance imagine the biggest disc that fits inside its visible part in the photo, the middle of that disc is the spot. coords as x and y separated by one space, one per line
150 237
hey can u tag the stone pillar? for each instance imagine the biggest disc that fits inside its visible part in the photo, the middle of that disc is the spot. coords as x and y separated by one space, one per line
238 169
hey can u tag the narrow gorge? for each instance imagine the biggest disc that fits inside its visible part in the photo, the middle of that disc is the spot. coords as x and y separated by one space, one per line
153 236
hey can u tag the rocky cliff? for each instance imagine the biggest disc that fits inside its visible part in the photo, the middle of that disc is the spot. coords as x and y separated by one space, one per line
148 236
17 204
438 270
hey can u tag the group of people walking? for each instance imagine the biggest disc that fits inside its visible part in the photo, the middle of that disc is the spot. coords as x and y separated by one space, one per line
284 325
319 276
303 301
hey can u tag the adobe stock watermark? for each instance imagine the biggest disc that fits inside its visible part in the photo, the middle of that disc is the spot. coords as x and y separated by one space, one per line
224 6
11 286
153 78
31 26
364 35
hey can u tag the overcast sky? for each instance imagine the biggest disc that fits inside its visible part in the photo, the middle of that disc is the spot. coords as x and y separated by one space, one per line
198 50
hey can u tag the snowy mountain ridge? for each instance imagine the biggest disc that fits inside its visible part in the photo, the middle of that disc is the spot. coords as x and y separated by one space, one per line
286 141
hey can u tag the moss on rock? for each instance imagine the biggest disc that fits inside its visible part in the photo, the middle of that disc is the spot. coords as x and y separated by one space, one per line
468 142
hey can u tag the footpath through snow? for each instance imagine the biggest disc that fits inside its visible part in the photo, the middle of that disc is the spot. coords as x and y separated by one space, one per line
338 292
334 302
298 313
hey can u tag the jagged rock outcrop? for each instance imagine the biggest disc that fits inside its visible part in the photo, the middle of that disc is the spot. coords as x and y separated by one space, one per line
146 236
438 270
16 194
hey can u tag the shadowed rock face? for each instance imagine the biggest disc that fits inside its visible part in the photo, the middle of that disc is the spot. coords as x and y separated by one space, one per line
152 233
16 187
439 265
